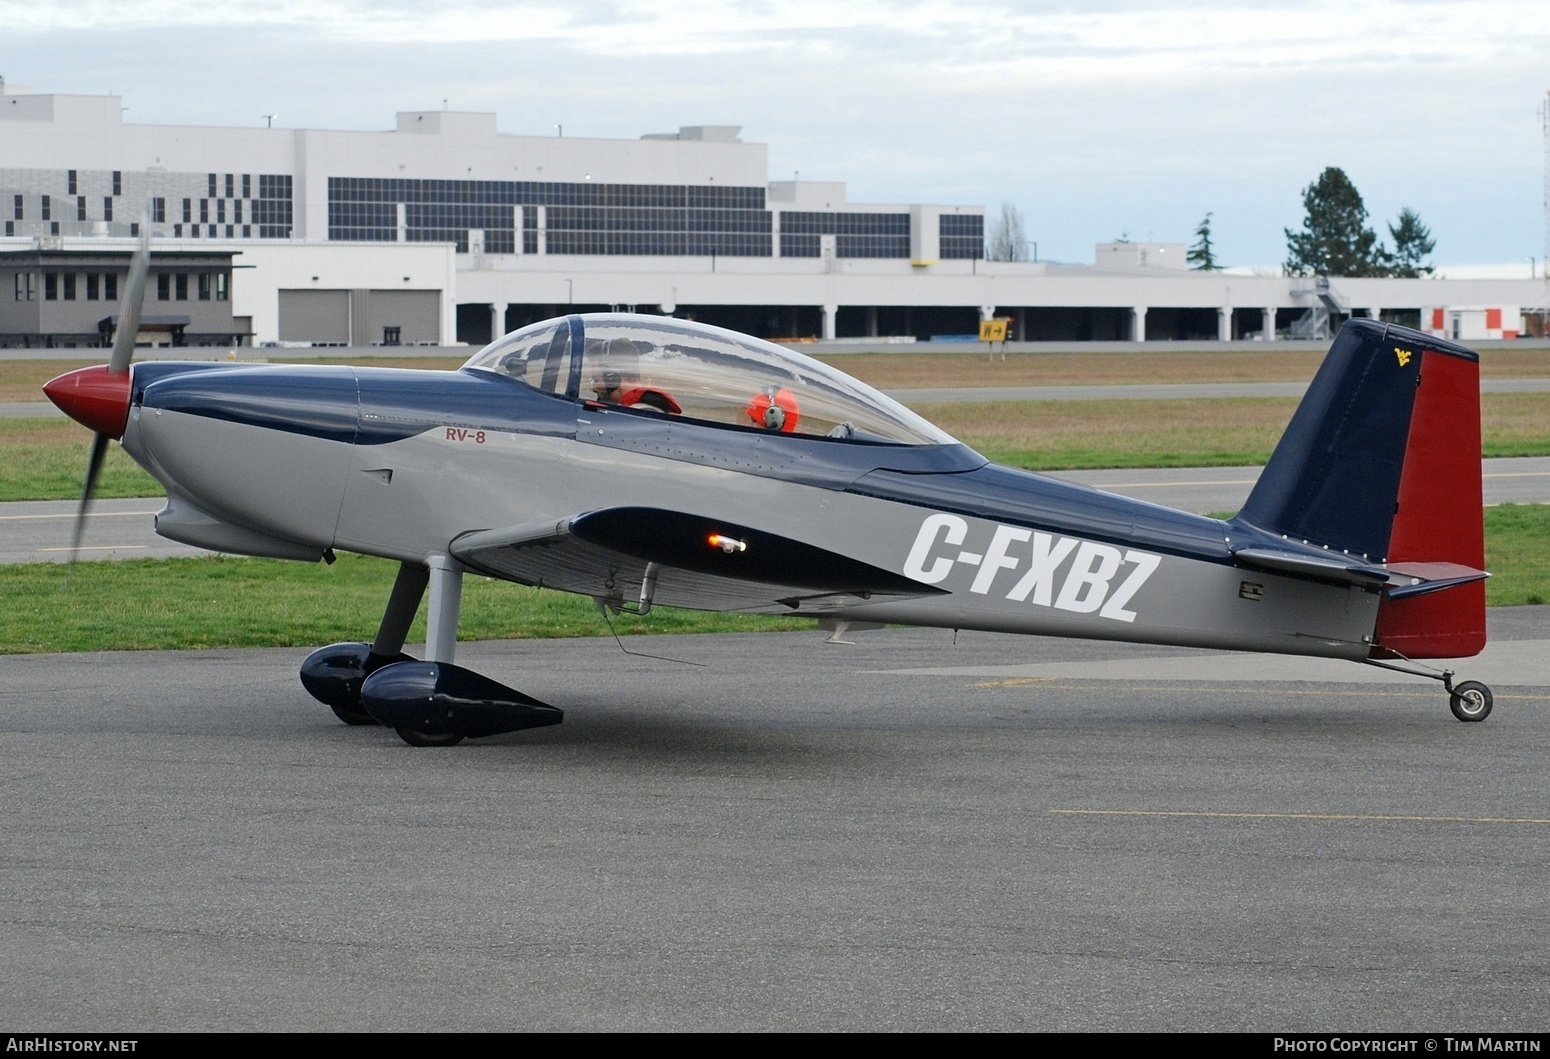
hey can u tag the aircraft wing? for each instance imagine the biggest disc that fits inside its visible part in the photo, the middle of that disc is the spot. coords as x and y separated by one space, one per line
640 555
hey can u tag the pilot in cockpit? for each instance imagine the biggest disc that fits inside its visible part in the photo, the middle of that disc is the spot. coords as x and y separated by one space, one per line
616 380
774 408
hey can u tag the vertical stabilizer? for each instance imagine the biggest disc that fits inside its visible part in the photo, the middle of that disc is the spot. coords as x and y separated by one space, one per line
1439 514
1382 461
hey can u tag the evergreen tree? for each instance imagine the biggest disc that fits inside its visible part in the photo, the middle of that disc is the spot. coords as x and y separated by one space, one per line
1201 256
1412 244
1335 239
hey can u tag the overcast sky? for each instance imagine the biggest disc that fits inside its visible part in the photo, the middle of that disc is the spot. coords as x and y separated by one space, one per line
1096 119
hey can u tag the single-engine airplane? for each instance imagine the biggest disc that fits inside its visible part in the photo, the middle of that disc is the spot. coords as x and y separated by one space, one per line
648 461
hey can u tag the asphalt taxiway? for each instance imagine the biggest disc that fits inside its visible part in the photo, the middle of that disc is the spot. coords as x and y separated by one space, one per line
911 833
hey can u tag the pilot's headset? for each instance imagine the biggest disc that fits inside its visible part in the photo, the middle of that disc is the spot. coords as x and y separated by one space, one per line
621 361
775 408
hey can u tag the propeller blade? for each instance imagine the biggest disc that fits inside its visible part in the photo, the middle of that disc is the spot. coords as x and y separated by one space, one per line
118 363
134 298
99 452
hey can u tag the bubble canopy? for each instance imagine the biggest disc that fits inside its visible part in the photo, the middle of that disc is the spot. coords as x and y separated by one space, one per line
663 366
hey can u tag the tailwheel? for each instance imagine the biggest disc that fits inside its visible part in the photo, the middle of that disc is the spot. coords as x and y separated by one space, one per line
418 738
1470 701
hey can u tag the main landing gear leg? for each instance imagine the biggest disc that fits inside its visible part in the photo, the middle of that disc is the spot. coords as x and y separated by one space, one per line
446 581
333 675
446 576
436 703
1469 701
403 604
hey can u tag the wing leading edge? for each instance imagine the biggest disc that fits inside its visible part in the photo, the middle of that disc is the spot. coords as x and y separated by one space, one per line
640 555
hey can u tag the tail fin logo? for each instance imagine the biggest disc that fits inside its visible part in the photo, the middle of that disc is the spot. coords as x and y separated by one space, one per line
1403 355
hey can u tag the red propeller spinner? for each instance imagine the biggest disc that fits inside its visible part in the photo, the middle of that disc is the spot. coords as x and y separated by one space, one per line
96 397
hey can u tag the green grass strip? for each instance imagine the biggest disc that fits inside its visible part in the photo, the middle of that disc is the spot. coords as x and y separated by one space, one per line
146 604
45 459
1517 552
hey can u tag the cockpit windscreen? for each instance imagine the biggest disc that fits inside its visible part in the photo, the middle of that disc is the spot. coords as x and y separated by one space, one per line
663 366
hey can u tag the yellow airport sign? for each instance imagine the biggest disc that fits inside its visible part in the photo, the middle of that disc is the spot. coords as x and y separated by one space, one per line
994 330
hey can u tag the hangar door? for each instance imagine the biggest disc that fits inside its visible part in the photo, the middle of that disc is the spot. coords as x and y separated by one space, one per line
315 316
416 314
360 317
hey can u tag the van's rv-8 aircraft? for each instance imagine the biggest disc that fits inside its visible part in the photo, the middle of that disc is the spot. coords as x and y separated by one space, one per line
649 461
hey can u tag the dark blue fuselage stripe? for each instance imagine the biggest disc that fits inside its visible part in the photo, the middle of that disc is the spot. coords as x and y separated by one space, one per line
365 406
1021 498
319 402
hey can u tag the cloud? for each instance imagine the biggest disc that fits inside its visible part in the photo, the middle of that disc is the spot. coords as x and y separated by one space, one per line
1094 117
1085 40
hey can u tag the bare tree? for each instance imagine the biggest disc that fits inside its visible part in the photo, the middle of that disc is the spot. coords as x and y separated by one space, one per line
1006 240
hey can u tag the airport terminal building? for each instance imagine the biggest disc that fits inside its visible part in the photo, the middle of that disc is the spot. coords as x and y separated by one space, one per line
444 230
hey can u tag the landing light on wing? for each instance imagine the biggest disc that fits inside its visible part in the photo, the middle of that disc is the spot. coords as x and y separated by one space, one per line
726 544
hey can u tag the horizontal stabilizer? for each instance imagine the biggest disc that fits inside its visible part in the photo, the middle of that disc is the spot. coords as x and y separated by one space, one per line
1418 579
1336 567
1399 580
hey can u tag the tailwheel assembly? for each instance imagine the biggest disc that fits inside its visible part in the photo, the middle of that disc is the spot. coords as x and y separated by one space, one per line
1470 701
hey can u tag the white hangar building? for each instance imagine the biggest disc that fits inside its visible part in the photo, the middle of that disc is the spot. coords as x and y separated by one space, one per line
443 230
